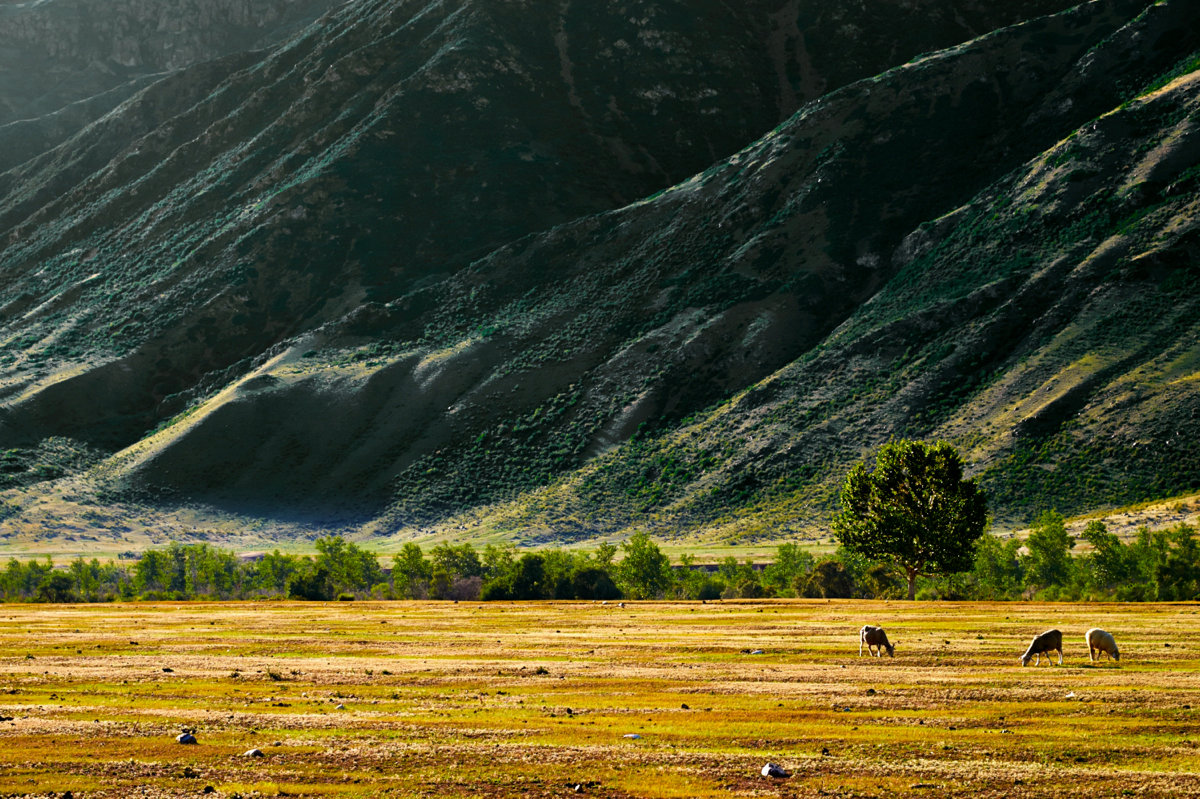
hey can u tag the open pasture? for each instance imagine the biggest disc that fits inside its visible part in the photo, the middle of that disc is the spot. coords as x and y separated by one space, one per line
535 699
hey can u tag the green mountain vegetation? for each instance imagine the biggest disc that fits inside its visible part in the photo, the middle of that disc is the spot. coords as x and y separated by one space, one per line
560 272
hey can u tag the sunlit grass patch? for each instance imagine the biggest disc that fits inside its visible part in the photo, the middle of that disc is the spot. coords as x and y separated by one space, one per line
535 698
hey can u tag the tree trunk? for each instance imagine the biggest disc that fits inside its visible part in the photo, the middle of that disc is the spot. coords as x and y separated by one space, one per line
912 583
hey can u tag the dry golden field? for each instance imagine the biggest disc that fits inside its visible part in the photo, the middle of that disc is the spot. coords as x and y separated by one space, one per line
536 699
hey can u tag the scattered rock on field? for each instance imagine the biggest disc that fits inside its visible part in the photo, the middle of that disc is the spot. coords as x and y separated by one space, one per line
774 770
185 737
632 735
254 753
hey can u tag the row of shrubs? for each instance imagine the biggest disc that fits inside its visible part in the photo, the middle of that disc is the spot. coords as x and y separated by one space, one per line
1158 565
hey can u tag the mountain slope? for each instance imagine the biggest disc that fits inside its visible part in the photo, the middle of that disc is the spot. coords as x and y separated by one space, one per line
387 273
241 201
551 350
66 63
1064 373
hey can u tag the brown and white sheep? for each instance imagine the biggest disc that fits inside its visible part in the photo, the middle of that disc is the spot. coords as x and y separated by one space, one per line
1043 644
1100 641
876 641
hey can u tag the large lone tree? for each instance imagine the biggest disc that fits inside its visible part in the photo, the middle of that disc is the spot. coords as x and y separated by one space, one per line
914 509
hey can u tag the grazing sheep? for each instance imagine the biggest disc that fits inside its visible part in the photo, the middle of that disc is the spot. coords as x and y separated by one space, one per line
1043 644
876 640
1100 641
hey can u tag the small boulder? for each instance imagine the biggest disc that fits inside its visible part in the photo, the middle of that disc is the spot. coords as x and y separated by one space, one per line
776 771
185 737
253 753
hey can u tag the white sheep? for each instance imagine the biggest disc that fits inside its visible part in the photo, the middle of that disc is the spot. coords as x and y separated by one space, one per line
1043 644
1100 641
876 641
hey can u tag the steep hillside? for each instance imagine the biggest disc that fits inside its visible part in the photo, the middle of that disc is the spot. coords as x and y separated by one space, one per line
396 272
65 63
244 200
1045 326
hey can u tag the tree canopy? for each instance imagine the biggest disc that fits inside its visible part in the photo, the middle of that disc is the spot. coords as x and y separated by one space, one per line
1049 545
914 508
644 572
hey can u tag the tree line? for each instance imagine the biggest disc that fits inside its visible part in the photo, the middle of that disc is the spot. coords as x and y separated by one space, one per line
1156 565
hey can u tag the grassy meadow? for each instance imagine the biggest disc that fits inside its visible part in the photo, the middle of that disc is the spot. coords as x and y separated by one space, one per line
359 699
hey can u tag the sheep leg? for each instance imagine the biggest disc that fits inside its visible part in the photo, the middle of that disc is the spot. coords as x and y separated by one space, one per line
860 643
1092 653
1059 657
